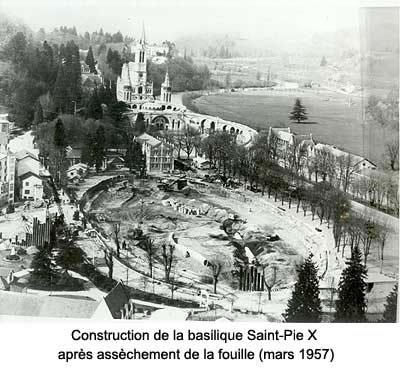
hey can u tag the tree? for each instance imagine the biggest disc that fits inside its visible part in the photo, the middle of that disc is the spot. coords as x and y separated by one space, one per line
38 116
384 231
140 124
323 62
60 94
305 305
99 148
42 270
88 150
392 152
109 260
271 282
90 61
59 135
93 107
15 50
298 113
216 266
168 258
70 257
351 303
390 313
191 139
116 229
134 158
149 247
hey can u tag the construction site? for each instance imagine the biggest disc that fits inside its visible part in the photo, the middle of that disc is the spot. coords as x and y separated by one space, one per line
233 251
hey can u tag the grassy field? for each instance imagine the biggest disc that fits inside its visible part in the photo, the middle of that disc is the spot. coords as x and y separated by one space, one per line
331 119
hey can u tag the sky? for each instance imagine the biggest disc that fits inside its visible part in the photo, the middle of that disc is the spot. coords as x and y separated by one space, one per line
171 19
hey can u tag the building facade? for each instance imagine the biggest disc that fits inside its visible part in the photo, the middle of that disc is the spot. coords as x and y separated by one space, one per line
159 156
7 165
132 84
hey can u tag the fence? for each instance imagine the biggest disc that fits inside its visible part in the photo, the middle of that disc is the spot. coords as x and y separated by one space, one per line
39 236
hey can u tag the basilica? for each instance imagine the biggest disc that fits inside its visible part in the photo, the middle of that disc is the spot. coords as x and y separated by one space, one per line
134 89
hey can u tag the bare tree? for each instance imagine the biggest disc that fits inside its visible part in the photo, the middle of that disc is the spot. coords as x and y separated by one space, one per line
168 259
271 282
116 230
149 247
190 139
383 234
346 168
392 152
178 143
216 266
370 232
108 258
326 164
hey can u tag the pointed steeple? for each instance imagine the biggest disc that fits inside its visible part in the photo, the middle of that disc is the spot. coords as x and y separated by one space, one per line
143 37
166 81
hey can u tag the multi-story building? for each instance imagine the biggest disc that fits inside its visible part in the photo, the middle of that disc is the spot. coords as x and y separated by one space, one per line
7 165
159 156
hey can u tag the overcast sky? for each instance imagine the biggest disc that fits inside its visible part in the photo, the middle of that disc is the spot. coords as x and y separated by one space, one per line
169 19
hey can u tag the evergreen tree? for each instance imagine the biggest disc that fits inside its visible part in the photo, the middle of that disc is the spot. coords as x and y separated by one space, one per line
90 61
93 107
74 83
42 273
100 148
60 95
323 62
89 149
390 313
305 304
59 135
134 157
351 303
38 116
57 162
299 112
140 125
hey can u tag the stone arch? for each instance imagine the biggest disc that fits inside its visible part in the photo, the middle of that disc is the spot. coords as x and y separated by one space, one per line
202 126
224 128
237 131
232 131
160 122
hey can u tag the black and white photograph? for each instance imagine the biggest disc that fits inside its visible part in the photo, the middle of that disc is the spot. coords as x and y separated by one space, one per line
209 161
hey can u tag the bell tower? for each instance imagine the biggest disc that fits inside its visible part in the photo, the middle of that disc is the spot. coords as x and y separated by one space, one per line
166 89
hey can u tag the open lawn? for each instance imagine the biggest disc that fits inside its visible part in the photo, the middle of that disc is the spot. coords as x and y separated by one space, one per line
331 118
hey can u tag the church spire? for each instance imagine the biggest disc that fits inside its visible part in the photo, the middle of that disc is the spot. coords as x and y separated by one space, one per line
166 81
143 37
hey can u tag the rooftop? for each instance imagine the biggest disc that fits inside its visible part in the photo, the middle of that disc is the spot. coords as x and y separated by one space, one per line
16 303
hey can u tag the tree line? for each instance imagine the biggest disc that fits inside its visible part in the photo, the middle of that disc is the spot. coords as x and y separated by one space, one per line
43 81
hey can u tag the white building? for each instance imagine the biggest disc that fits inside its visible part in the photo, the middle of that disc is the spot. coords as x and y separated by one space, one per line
7 165
30 174
30 186
159 155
